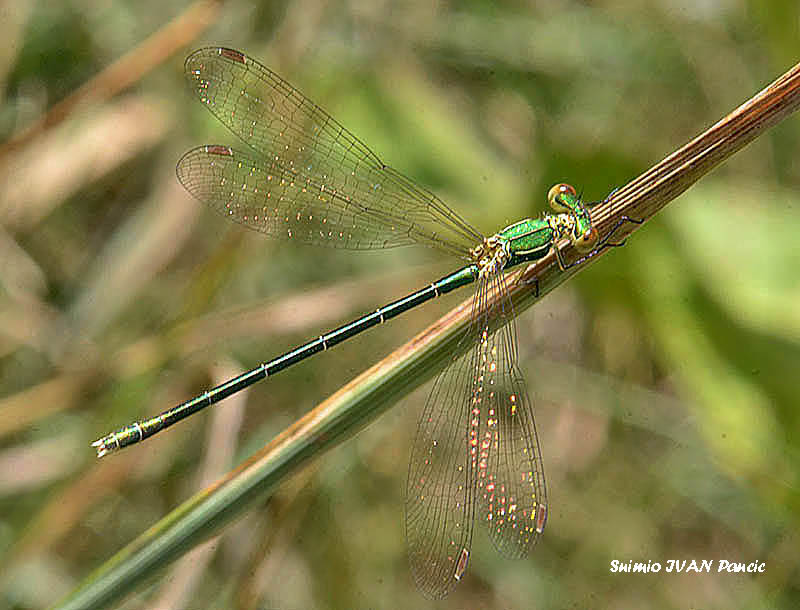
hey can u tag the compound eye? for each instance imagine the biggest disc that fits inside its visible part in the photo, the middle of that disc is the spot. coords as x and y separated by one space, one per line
587 241
561 196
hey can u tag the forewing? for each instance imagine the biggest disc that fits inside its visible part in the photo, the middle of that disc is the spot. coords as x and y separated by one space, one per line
440 491
323 172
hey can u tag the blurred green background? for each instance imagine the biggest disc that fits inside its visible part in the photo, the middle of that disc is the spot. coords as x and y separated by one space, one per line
665 377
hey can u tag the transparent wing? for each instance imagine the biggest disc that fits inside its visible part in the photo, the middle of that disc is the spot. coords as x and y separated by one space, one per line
304 165
264 196
440 490
475 446
511 491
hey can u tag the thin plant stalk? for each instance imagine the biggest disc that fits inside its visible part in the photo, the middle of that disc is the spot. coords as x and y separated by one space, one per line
367 396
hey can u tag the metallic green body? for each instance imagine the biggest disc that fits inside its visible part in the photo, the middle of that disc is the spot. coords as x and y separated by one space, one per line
527 240
524 241
533 238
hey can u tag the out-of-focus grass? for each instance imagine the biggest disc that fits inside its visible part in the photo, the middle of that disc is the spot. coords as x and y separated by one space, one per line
665 377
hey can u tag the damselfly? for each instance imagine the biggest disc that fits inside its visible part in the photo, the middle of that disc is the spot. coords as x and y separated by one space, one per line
306 178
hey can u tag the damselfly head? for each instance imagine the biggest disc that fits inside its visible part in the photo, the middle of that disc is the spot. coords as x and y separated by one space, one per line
562 198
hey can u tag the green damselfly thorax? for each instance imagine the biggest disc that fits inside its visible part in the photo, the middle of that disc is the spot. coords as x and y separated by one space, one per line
306 178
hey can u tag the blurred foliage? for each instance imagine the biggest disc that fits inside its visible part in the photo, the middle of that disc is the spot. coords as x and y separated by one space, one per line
664 377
